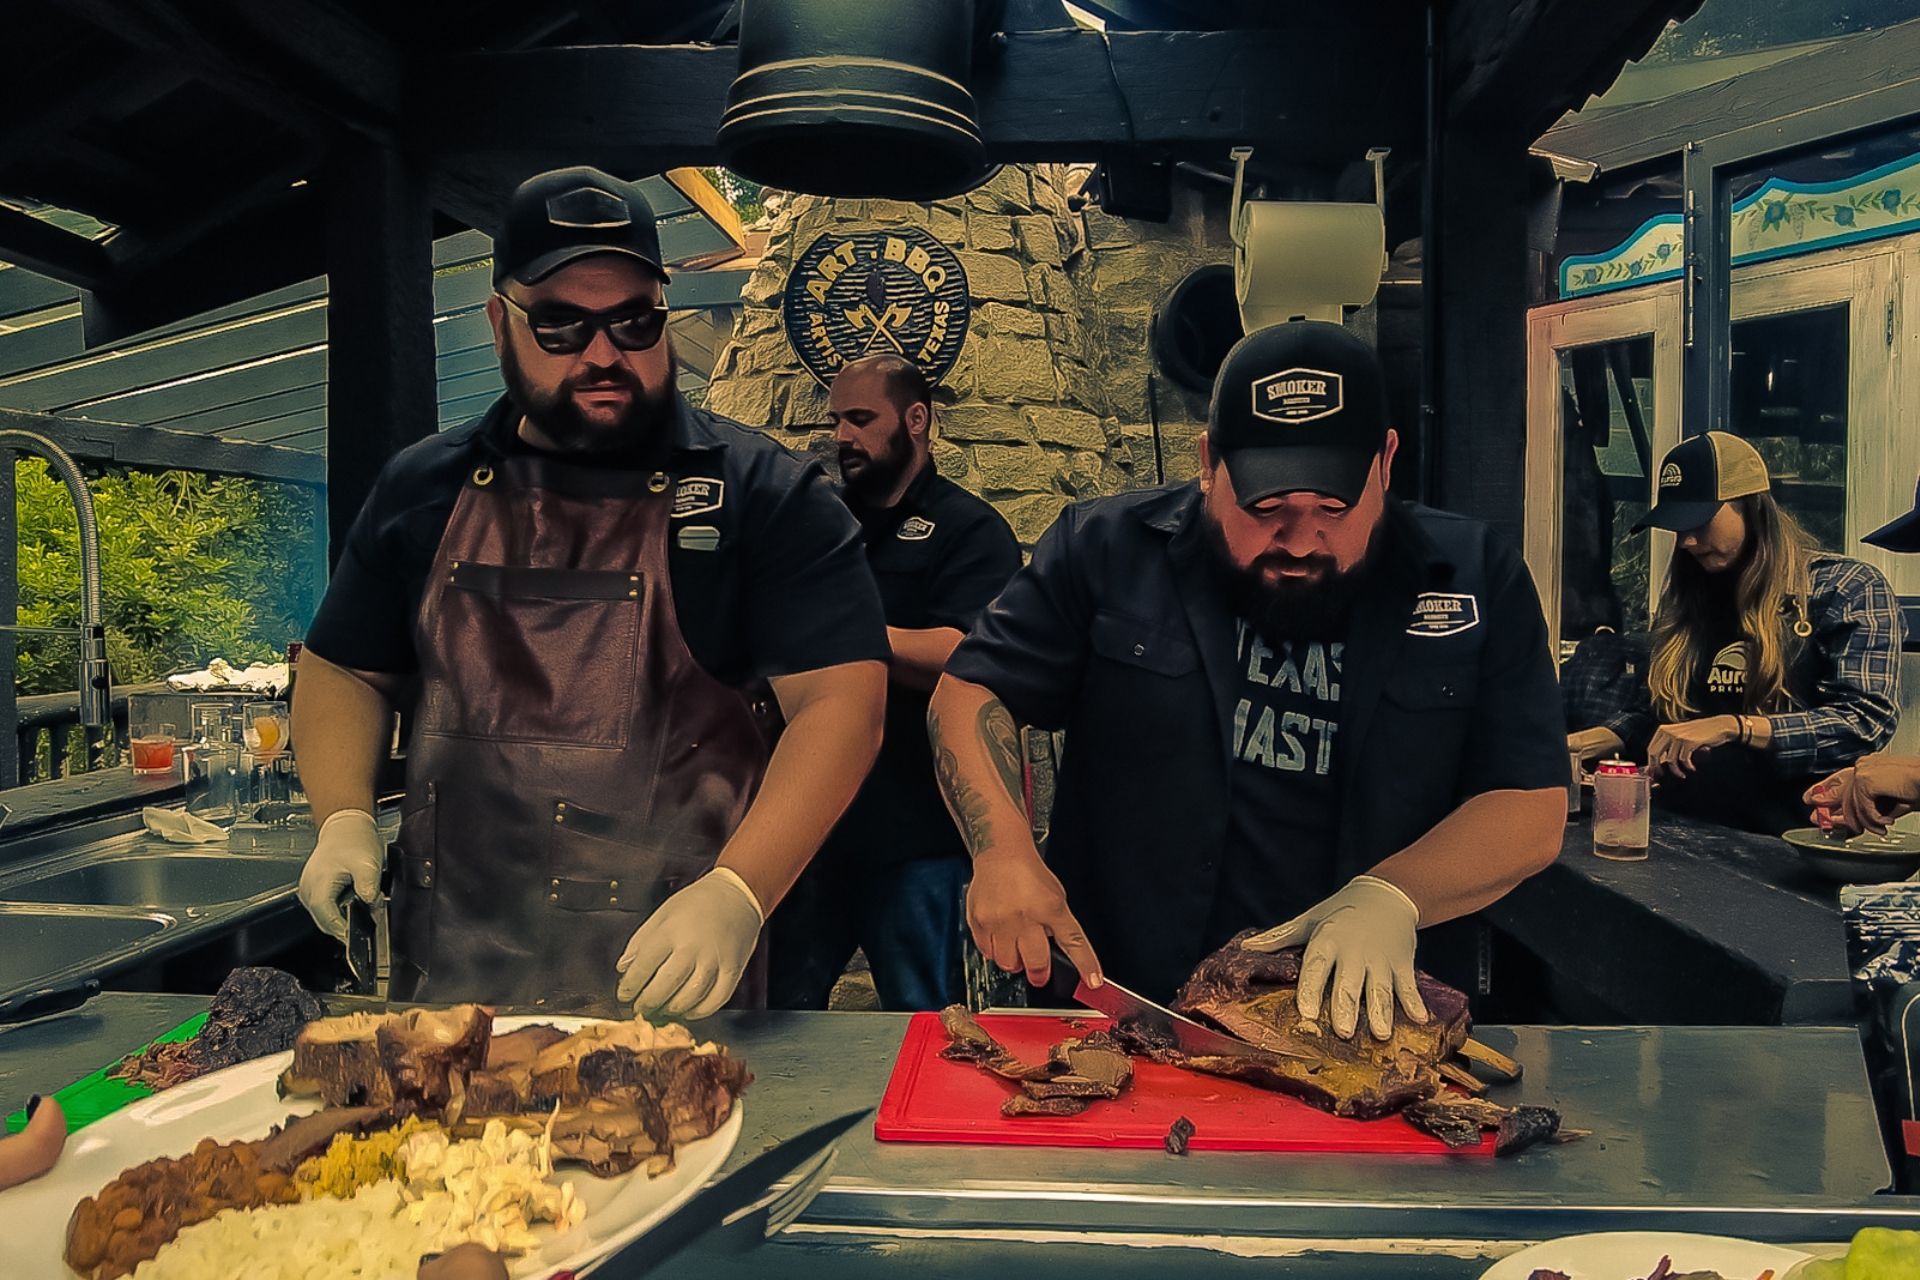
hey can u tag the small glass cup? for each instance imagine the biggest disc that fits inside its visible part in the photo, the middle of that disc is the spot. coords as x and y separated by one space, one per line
151 746
212 764
267 729
1621 800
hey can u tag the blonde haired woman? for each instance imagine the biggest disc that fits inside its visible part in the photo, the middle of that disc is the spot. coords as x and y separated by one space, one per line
1773 663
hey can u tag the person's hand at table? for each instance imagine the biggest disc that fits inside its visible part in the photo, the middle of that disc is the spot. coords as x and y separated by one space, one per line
348 853
1017 908
1866 797
31 1152
685 961
1674 746
1592 744
1359 945
466 1262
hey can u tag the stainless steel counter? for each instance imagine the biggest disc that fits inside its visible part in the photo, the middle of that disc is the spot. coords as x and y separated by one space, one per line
1761 1132
99 899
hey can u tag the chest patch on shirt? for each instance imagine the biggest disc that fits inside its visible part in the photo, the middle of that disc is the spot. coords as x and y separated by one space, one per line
697 495
1727 673
915 529
1444 613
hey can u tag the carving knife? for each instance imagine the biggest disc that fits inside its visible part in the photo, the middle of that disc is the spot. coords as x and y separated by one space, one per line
1195 1039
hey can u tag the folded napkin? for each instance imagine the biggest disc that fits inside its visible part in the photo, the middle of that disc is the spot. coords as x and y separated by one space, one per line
258 677
180 827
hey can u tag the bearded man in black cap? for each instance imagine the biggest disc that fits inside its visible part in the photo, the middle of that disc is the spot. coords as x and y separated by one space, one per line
1296 708
591 597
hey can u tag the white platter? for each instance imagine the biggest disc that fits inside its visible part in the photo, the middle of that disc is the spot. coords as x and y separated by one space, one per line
1630 1255
240 1102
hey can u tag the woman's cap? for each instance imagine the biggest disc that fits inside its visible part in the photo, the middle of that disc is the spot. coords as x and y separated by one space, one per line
1700 474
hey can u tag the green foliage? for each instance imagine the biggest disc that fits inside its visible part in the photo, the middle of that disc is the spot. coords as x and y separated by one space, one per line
193 567
744 194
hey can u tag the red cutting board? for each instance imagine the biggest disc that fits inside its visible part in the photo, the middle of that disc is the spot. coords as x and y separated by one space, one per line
930 1099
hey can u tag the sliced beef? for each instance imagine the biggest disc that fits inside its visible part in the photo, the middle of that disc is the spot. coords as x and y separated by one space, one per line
1461 1121
339 1060
695 1091
424 1051
1251 995
968 1041
416 1060
1022 1105
556 1068
302 1136
1178 1136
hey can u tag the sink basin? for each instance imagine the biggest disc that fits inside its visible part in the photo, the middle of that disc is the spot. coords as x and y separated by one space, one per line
35 943
160 880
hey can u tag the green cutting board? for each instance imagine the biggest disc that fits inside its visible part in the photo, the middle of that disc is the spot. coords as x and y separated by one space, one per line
97 1096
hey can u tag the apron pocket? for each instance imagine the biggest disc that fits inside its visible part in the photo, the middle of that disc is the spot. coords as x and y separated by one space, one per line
545 655
597 862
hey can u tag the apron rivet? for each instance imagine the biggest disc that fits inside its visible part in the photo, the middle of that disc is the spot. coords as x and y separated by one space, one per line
553 897
614 901
633 595
559 817
554 883
483 476
426 882
657 482
613 884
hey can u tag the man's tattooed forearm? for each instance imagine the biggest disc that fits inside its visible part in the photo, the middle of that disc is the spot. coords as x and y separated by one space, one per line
1002 737
963 800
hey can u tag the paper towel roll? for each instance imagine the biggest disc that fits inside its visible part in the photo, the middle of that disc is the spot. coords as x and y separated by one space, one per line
1296 259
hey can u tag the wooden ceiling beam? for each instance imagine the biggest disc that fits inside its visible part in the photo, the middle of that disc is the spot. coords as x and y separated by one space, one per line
28 242
1052 95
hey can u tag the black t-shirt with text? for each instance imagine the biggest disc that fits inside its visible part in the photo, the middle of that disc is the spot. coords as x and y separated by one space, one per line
1284 800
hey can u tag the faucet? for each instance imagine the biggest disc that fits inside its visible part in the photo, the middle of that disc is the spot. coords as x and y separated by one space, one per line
96 687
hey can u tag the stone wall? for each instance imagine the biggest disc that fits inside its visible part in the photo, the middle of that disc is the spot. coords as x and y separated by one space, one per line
1053 397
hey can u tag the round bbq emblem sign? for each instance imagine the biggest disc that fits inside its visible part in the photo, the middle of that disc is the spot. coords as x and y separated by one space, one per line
862 293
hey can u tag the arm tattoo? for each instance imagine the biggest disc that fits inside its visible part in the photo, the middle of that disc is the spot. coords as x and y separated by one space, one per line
964 802
1003 744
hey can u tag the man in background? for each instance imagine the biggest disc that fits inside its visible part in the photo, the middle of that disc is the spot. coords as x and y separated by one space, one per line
890 877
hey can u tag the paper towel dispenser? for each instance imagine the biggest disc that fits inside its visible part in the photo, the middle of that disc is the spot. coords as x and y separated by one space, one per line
1305 260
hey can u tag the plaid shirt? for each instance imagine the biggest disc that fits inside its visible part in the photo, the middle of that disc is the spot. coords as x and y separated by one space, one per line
1854 706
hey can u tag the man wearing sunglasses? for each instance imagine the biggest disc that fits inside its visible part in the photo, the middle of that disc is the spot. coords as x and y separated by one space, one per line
591 597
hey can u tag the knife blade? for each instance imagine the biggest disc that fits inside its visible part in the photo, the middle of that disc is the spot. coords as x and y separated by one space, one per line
713 1205
1194 1038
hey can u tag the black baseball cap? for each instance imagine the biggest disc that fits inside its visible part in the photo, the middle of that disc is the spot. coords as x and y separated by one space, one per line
1298 407
1901 533
557 217
1700 474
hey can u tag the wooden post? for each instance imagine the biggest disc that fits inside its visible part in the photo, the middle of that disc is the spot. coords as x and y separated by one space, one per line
380 359
9 614
1482 332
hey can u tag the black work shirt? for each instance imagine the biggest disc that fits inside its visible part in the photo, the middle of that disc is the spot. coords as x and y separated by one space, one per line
1118 632
939 556
767 573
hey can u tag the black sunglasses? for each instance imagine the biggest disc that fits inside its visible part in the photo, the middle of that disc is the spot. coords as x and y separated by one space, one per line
628 330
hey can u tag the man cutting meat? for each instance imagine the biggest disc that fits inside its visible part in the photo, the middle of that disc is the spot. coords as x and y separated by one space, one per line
582 595
1287 696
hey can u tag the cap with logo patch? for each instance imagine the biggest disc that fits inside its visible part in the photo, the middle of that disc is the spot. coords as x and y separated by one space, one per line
566 214
1700 474
1298 407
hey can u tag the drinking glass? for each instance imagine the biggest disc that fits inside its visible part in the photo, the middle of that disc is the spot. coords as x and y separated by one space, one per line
151 745
1621 800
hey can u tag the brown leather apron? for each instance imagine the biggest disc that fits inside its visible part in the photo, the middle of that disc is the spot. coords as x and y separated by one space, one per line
571 764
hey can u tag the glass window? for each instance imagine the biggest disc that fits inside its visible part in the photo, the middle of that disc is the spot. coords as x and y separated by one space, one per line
1789 399
1606 421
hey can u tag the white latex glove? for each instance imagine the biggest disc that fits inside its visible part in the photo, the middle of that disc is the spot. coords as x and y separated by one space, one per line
685 961
348 852
1363 937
